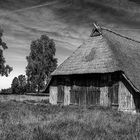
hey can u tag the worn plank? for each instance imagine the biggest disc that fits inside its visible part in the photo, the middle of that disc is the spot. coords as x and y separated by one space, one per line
53 95
126 101
67 95
104 100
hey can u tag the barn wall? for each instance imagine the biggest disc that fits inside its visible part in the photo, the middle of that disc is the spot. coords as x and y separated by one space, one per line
89 89
126 100
53 95
67 95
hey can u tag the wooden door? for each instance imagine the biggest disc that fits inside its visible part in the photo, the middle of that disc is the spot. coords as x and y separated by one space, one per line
85 96
53 95
93 96
78 96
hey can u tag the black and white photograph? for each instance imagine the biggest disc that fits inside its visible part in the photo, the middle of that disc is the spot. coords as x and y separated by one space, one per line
69 69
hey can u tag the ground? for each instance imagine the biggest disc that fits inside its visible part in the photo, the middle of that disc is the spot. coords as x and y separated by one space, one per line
38 120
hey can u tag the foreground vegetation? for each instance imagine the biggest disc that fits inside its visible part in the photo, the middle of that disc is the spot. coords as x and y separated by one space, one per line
22 121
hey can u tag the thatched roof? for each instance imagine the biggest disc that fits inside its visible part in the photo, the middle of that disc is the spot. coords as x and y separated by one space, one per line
105 53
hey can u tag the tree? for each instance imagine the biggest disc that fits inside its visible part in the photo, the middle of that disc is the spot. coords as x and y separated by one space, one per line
6 91
15 86
22 84
41 62
19 85
4 69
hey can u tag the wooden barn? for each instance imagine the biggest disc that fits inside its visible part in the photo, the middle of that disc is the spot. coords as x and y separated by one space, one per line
103 71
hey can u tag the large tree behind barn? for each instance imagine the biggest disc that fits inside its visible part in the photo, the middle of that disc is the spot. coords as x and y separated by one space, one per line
103 71
41 62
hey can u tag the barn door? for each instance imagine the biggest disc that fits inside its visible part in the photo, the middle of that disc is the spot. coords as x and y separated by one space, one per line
78 96
93 96
85 95
60 94
126 101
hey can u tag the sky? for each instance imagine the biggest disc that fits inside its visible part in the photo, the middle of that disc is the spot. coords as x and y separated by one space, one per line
68 22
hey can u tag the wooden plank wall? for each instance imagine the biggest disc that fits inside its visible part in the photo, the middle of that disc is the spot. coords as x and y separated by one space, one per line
126 101
100 89
85 96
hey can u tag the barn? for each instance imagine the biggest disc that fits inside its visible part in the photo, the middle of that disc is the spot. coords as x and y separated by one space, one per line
103 71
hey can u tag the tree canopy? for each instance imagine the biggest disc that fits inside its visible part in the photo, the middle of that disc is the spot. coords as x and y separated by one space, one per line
41 61
4 69
19 85
15 86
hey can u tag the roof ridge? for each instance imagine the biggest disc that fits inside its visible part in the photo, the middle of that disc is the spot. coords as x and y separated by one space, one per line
118 34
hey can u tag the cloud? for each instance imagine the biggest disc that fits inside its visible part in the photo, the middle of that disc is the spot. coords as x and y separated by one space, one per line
69 25
119 11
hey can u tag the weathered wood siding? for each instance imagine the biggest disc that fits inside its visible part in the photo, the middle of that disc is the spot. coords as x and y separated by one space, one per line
93 96
113 95
77 95
85 96
89 89
53 95
104 98
67 95
126 100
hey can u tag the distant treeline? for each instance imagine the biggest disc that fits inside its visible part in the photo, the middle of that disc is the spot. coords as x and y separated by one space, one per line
7 91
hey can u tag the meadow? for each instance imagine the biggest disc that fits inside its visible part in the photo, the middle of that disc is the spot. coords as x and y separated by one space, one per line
21 120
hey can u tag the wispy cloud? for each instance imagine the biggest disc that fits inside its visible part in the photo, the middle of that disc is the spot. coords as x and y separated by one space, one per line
67 24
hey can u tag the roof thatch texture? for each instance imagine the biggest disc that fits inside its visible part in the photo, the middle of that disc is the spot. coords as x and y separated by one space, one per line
108 52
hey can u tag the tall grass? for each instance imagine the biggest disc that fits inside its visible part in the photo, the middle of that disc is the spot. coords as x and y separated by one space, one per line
21 121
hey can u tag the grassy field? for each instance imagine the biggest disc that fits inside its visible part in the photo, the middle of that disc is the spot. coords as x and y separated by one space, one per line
23 121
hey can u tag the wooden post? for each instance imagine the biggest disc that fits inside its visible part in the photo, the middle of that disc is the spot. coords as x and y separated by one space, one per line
67 95
53 95
104 101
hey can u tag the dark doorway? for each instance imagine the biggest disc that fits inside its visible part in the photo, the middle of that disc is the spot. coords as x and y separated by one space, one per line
60 94
113 95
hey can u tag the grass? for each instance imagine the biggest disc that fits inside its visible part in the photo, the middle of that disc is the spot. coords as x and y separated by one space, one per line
4 98
22 121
